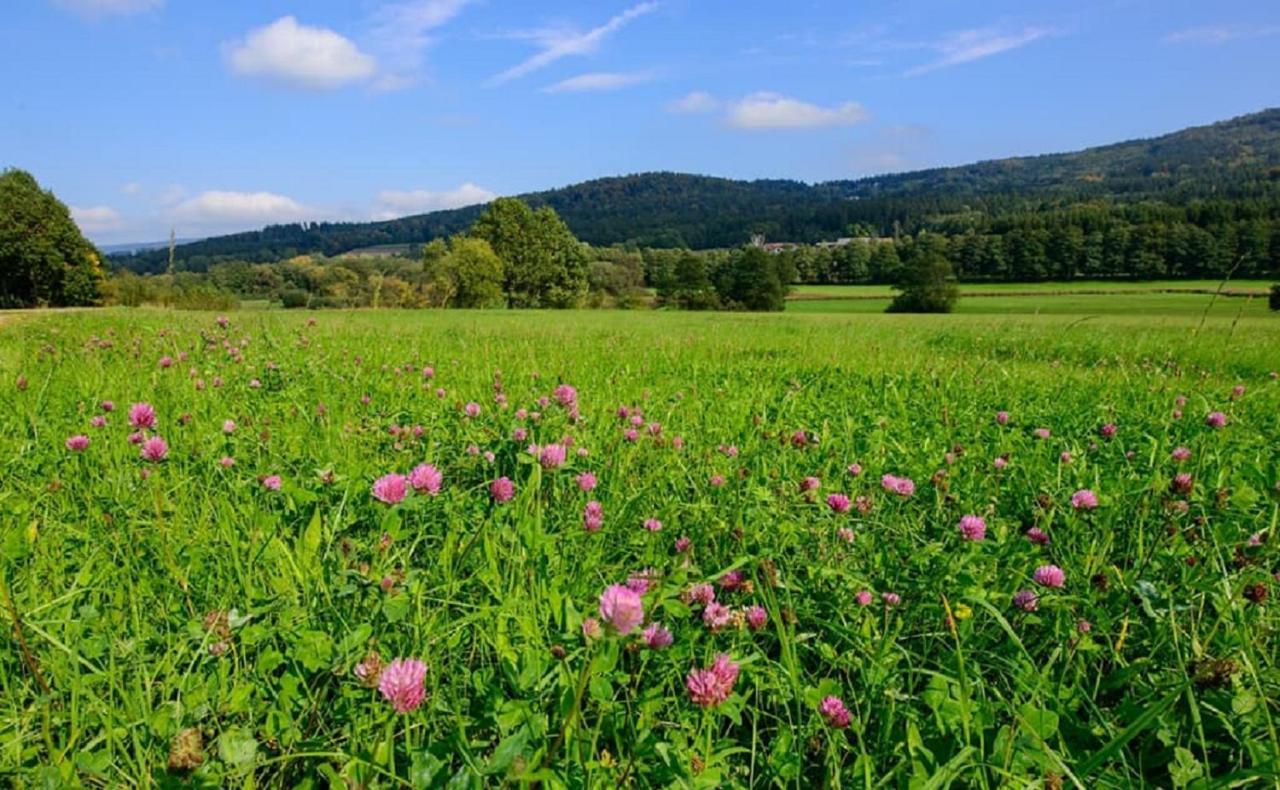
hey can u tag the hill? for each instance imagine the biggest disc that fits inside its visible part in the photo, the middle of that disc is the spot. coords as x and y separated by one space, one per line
1222 163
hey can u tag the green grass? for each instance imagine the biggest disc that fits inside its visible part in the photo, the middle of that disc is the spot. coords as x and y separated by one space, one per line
1155 305
195 600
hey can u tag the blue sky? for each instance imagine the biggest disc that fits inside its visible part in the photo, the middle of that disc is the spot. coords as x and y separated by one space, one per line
213 116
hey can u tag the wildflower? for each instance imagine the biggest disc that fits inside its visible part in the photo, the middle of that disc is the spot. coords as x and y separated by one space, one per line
155 449
729 450
552 456
717 481
810 484
1084 499
142 416
1083 626
1002 418
593 516
863 597
1038 536
642 581
1182 483
1050 576
621 608
656 637
502 490
586 481
845 534
757 617
272 482
390 489
137 437
653 525
855 470
1215 419
1180 454
631 435
401 682
1065 457
902 486
229 427
683 544
732 580
227 462
255 384
973 528
677 442
77 444
1042 433
702 593
834 712
716 616
891 599
426 479
839 503
107 405
166 362
566 395
472 409
591 628
223 321
711 686
1026 600
1107 431
1001 462
1237 392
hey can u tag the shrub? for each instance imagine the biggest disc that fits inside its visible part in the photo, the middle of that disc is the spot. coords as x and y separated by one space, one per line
294 298
1274 300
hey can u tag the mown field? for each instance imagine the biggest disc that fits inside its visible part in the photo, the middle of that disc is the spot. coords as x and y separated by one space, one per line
696 550
1105 297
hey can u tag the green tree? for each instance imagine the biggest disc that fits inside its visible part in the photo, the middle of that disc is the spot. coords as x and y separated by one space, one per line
468 274
753 279
927 284
44 259
693 289
544 264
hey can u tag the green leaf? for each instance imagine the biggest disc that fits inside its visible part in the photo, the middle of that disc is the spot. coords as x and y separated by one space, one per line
237 748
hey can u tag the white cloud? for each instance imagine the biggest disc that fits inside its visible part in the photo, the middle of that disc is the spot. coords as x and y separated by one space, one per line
394 203
132 188
694 103
1220 34
299 56
217 210
559 44
774 111
96 219
966 46
402 33
107 7
599 81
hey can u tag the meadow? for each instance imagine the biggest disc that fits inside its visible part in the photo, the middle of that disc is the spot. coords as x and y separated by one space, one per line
601 549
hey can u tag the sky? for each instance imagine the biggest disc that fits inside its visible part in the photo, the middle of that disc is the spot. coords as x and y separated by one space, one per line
212 116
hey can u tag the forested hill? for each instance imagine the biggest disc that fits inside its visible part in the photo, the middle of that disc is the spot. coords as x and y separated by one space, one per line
1223 172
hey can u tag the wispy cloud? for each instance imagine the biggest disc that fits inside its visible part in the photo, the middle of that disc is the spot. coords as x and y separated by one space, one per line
599 81
694 103
402 32
1220 34
966 46
763 111
297 56
96 219
393 203
560 44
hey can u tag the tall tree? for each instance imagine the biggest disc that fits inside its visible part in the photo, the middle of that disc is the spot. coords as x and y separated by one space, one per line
927 284
544 264
44 259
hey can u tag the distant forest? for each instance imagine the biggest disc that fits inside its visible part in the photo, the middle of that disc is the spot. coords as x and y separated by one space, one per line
1197 203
